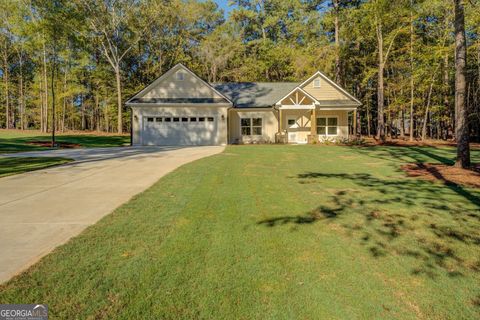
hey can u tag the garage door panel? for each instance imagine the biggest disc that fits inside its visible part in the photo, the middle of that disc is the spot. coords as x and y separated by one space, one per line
180 133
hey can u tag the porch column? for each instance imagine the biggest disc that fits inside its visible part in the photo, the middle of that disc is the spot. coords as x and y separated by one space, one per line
280 121
355 122
313 122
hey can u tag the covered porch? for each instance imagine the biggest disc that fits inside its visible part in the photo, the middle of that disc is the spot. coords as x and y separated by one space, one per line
303 119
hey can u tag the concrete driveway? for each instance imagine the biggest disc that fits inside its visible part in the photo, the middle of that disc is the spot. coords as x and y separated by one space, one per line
42 209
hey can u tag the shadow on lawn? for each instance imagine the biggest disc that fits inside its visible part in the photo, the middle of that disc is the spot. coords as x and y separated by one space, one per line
432 237
415 154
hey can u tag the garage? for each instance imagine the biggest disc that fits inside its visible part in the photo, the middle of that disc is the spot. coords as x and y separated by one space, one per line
180 130
179 109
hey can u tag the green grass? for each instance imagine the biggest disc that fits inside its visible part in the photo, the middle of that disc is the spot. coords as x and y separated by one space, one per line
18 141
15 165
275 232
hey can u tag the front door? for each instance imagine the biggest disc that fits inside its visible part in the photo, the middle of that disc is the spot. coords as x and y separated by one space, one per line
292 126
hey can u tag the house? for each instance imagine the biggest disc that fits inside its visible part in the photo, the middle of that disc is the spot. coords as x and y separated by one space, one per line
179 108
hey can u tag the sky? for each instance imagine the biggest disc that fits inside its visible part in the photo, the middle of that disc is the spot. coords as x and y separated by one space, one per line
223 4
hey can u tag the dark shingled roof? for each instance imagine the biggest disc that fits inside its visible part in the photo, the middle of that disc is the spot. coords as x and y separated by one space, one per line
254 94
178 100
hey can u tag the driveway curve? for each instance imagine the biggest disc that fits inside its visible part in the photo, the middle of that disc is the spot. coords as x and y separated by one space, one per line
42 209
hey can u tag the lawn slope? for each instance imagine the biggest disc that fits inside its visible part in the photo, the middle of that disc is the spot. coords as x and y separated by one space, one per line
275 232
20 141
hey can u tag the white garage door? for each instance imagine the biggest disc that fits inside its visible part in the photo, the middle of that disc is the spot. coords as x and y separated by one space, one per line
178 130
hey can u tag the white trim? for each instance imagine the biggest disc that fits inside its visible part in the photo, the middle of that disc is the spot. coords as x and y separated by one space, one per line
254 109
168 73
319 83
340 109
294 118
296 107
318 73
177 105
295 89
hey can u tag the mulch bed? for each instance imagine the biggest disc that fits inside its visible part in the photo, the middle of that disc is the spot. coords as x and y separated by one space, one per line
444 173
48 144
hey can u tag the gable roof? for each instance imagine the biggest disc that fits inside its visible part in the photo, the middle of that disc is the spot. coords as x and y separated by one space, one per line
254 94
241 94
331 82
300 90
139 97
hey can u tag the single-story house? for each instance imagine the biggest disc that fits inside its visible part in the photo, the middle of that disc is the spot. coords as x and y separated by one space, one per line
179 108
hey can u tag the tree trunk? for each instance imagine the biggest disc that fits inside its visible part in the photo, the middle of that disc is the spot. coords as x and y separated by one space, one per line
53 96
83 118
461 125
97 112
337 42
429 100
380 86
119 100
64 108
42 97
45 88
446 89
427 109
368 116
21 104
7 93
412 89
402 123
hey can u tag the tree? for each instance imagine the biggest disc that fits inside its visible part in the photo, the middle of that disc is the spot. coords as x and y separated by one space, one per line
336 9
114 24
412 88
461 125
382 14
74 73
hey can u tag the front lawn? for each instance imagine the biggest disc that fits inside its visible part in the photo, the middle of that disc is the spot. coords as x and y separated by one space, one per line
20 141
275 232
15 165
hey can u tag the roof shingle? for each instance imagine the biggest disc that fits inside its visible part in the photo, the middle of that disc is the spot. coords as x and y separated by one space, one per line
254 94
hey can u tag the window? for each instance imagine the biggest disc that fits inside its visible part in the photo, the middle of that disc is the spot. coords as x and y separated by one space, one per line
201 119
251 126
210 119
257 126
291 122
327 126
150 119
158 119
193 119
316 83
245 124
184 119
176 119
168 119
180 76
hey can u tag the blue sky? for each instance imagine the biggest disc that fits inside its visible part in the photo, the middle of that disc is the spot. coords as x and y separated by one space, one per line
224 5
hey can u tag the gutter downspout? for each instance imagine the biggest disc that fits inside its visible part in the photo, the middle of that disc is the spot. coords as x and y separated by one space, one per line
228 124
131 127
